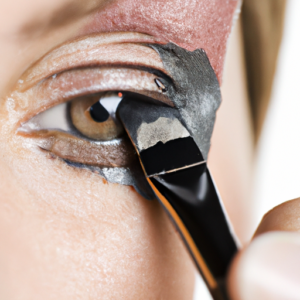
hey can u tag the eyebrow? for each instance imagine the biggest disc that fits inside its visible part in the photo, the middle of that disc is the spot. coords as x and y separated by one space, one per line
62 15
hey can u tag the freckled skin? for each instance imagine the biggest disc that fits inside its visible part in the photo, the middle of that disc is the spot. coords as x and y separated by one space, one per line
66 234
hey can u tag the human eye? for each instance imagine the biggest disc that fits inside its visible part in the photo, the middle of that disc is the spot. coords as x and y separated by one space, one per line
80 129
85 129
73 115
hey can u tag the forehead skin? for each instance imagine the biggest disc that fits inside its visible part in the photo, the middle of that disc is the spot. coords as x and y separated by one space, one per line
29 29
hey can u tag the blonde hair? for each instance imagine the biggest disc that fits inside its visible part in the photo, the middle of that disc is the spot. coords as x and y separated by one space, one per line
262 23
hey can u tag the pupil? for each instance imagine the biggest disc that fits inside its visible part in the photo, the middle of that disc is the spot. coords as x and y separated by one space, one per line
99 113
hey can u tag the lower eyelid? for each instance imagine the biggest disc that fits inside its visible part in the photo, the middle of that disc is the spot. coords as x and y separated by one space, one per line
118 153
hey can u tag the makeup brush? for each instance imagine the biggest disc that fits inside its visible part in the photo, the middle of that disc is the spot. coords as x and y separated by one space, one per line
178 175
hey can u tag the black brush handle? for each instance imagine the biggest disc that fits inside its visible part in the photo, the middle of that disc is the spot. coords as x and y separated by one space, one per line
191 200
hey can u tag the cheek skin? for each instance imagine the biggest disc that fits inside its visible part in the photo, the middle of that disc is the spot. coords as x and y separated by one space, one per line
67 234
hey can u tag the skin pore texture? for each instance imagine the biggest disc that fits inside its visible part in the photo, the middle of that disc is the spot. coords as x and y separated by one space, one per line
65 232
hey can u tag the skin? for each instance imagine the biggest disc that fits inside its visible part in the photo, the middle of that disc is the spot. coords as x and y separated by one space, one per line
65 232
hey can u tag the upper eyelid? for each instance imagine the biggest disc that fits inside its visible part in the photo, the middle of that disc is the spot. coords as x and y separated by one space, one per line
75 83
96 50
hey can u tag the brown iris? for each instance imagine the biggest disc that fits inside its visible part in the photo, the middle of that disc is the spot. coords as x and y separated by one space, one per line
93 120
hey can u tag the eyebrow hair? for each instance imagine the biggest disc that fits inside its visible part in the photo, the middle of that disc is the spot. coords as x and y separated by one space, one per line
63 15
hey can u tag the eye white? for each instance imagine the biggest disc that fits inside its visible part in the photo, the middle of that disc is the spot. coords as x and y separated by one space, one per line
53 118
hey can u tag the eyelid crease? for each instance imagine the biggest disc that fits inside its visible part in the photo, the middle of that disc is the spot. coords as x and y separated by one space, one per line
95 50
79 82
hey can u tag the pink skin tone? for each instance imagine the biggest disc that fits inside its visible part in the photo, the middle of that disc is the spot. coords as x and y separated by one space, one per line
189 24
65 233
